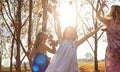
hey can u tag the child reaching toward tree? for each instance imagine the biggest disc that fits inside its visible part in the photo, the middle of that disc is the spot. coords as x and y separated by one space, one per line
65 58
40 59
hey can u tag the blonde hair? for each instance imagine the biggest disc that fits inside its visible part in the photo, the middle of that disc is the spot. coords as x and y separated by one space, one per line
67 29
115 13
38 41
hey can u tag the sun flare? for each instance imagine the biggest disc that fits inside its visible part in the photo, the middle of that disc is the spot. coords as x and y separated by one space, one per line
67 15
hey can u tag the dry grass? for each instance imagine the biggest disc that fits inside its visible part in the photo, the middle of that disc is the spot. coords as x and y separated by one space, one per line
86 67
89 67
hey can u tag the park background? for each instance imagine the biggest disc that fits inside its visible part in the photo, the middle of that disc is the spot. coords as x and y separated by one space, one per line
21 20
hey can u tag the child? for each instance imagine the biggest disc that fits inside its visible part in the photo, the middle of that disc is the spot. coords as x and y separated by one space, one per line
112 22
65 58
40 61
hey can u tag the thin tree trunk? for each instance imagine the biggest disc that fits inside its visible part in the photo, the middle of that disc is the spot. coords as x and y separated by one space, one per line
12 53
30 24
30 28
95 54
18 33
44 22
1 55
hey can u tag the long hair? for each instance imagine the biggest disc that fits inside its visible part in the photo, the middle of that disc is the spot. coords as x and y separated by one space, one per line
115 13
38 42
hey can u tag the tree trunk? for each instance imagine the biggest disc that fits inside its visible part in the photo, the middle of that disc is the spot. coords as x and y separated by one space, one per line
1 55
44 22
12 53
30 28
18 33
18 62
95 54
30 24
0 61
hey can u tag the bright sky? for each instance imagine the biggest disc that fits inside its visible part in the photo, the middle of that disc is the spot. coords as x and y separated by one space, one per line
67 15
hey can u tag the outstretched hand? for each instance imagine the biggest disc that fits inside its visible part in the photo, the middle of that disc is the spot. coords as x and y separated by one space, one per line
104 4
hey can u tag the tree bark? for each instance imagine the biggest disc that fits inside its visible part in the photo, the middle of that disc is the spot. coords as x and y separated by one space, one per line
12 53
18 34
44 22
30 29
95 53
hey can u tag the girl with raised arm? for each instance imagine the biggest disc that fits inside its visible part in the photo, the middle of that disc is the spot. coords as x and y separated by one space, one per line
112 22
65 58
